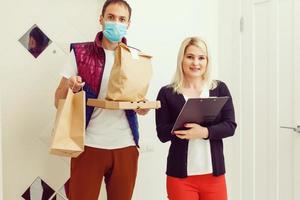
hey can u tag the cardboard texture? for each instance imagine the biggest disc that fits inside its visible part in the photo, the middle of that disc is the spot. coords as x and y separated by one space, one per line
115 105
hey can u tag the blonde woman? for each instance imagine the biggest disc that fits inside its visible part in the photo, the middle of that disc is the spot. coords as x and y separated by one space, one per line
195 164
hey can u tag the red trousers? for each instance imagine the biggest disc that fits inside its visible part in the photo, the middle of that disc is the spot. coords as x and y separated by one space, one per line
118 166
200 187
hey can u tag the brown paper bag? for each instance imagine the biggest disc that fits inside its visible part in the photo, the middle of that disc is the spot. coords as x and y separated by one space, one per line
69 127
130 75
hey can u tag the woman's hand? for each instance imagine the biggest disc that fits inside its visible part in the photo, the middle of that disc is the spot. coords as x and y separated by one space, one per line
194 131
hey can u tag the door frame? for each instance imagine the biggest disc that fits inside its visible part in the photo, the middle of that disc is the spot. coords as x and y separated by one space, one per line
296 99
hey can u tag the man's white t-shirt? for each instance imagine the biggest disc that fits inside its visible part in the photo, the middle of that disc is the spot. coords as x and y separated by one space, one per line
199 155
107 129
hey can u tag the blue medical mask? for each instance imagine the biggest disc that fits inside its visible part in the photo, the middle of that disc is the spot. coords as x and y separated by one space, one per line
114 31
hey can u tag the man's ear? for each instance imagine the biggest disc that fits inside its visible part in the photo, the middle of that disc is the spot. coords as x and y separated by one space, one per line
101 20
128 24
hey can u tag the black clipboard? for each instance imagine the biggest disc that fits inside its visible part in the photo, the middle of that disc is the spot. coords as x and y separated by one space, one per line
199 110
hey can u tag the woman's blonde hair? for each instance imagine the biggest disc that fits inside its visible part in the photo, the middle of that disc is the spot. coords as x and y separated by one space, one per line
177 82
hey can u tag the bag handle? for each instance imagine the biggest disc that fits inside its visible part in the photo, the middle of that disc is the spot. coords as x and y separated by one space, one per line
122 45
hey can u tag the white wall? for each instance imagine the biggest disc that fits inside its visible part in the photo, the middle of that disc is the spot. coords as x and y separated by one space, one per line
158 27
229 70
28 86
1 95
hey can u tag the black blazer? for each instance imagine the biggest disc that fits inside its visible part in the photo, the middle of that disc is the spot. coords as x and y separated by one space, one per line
224 126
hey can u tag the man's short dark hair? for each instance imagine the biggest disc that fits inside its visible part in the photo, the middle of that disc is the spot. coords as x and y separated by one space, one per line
121 2
39 37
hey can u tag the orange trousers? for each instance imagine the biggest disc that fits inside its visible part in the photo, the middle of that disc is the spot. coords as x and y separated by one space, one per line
117 166
199 187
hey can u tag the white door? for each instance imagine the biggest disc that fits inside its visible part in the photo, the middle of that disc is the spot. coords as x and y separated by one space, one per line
270 96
